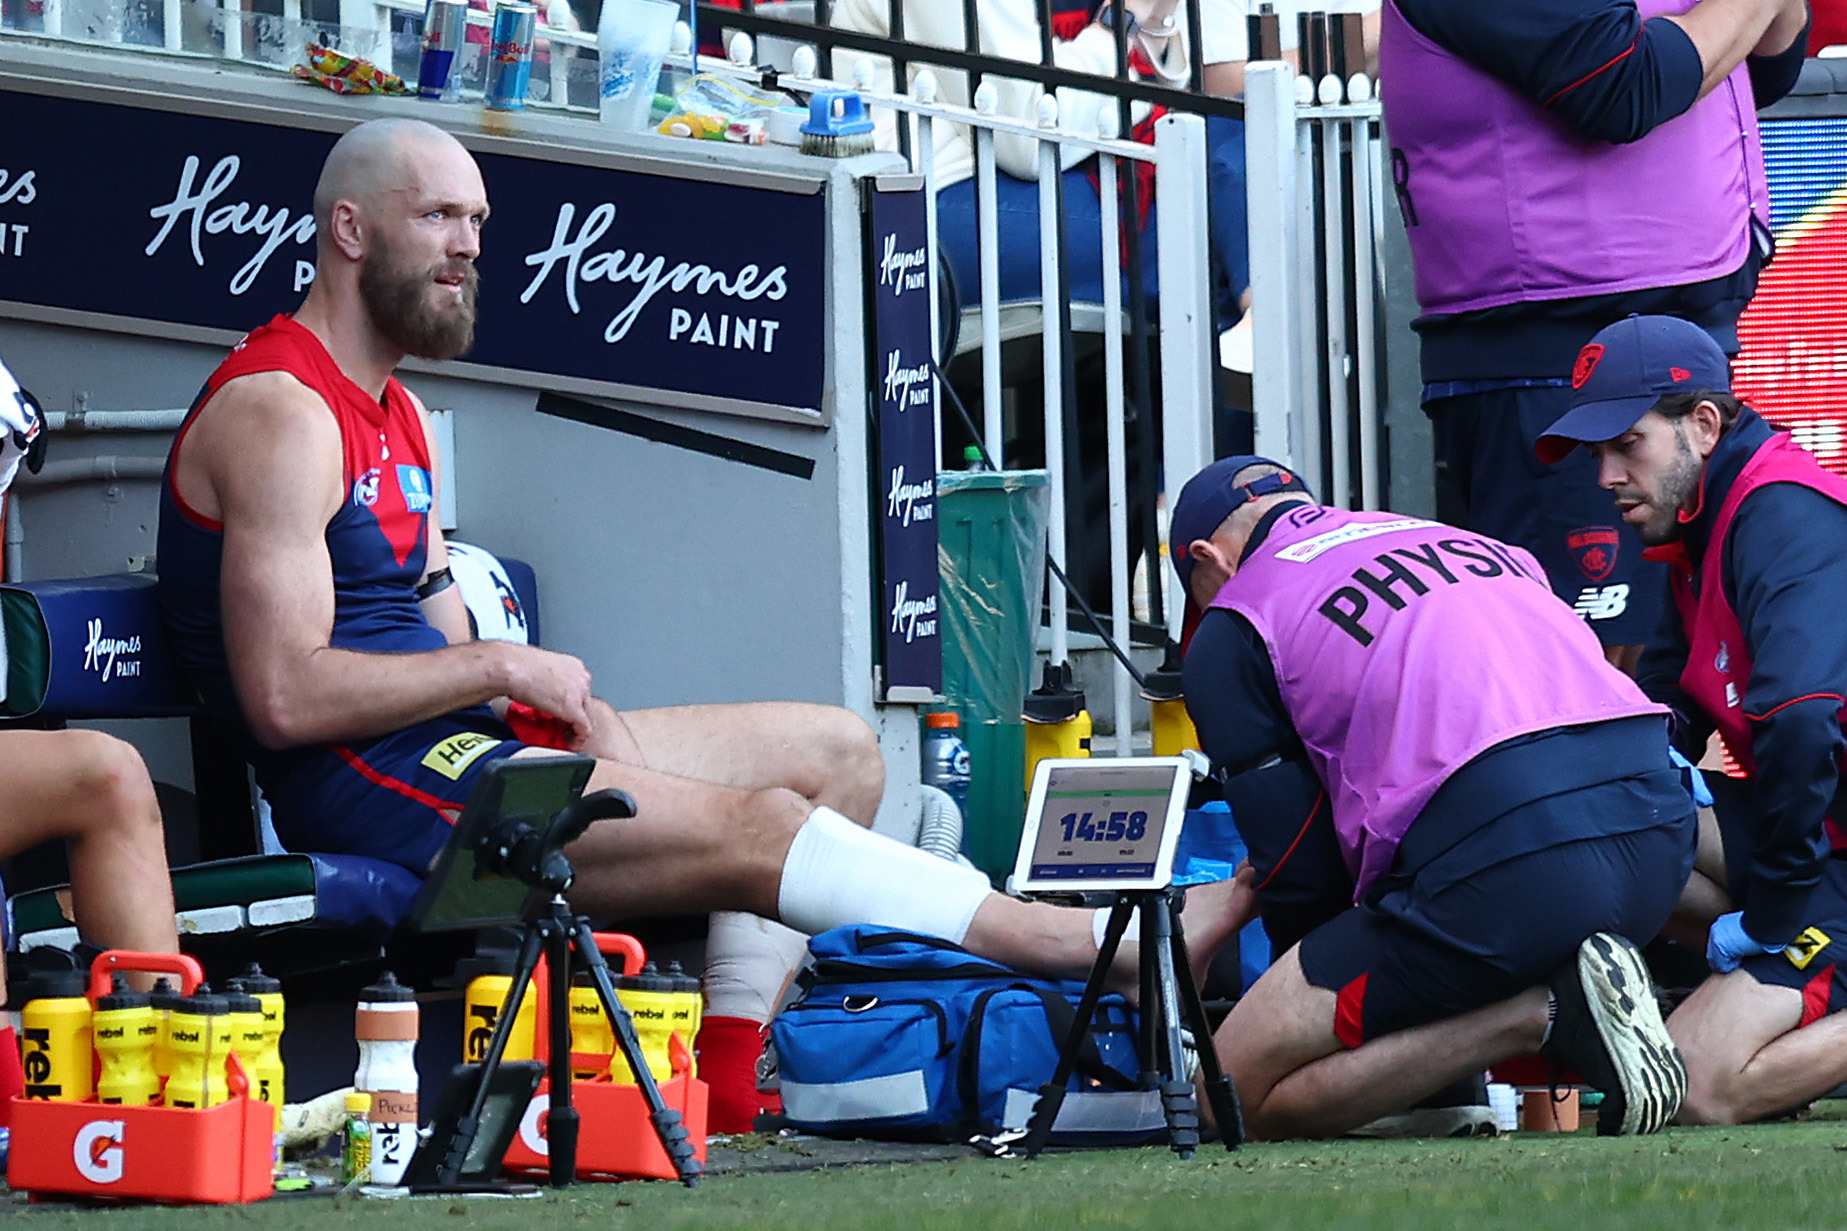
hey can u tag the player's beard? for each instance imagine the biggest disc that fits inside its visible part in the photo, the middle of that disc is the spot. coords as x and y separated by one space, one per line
406 306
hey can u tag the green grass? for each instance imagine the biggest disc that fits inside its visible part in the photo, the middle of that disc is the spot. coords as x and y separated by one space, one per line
1770 1176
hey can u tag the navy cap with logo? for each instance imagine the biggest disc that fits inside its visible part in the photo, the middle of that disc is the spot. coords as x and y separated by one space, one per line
1623 371
1209 497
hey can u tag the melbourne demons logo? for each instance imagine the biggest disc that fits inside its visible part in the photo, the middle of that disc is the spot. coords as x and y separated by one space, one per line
1594 548
1588 359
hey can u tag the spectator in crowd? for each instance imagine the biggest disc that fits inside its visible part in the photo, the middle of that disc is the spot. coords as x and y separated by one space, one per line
1084 40
1751 527
1531 144
1503 813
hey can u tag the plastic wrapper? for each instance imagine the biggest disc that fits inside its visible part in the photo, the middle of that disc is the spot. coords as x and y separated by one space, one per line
711 108
344 74
991 554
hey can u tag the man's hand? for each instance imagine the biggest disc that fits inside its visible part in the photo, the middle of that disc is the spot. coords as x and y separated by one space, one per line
555 683
1728 944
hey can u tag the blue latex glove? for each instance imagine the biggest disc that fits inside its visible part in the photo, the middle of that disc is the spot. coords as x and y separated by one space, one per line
1728 944
1696 781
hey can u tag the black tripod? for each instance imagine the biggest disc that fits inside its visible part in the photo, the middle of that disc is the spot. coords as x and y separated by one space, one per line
1167 991
549 926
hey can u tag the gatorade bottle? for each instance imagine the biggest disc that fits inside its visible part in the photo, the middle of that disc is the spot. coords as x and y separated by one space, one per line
945 758
649 998
487 991
386 1027
125 1029
356 1139
163 1000
593 1039
688 1007
199 1037
54 1038
268 1075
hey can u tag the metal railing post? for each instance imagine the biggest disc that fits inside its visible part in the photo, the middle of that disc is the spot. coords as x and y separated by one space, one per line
1189 352
1269 157
1051 287
1115 435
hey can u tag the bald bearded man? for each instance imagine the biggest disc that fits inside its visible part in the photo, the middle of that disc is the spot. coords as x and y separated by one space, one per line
306 585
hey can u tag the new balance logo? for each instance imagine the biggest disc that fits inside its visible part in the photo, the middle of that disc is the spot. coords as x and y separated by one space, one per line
1602 602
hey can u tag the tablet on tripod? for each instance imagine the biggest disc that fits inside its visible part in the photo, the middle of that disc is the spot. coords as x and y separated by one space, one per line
471 884
1102 823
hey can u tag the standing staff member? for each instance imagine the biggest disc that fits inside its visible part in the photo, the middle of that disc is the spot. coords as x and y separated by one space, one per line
1753 528
1501 797
1561 164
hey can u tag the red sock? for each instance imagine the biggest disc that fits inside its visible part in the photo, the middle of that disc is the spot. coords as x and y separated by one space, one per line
728 1051
12 1076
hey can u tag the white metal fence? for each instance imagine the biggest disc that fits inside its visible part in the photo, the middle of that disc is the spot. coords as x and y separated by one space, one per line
1314 157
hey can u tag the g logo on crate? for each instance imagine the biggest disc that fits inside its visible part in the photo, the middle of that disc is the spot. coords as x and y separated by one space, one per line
97 1151
532 1127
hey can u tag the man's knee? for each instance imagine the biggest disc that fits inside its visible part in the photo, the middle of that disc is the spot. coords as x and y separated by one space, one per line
108 783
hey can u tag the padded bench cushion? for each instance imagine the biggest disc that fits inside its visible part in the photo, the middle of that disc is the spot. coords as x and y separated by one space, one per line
93 647
258 892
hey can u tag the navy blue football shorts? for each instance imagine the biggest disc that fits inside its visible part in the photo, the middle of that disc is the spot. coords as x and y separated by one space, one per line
1491 481
1816 964
395 797
1472 926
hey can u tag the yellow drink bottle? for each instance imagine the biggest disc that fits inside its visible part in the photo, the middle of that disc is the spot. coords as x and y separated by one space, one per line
688 1006
1170 724
124 1028
593 1038
1057 724
163 1000
649 999
247 1038
199 1036
54 1038
481 1002
269 1078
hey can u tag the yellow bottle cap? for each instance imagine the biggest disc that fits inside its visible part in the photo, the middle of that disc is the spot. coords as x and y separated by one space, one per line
358 1103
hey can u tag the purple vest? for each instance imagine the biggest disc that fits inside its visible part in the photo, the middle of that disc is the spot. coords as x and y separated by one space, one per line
1406 648
1506 203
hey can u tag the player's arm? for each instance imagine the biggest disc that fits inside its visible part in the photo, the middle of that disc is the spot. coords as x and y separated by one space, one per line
272 461
442 605
1276 800
1788 589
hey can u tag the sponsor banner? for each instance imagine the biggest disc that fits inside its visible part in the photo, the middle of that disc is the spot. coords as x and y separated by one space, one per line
904 393
589 276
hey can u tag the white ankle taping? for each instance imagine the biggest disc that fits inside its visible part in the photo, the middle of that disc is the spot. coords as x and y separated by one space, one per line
748 964
837 873
1099 924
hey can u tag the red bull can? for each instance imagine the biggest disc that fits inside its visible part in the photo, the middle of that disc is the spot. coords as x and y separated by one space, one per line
509 56
445 25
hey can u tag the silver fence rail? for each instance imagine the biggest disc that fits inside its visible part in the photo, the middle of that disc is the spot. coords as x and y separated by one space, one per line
1314 157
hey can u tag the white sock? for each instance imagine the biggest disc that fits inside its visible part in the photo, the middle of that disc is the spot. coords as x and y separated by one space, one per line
1099 924
838 873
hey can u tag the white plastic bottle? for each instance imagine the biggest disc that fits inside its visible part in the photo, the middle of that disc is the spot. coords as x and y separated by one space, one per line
386 1028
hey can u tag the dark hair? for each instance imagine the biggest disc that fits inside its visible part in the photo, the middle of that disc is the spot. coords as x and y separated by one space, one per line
1680 405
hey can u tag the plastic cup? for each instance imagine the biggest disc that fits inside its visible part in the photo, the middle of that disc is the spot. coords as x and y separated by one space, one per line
632 38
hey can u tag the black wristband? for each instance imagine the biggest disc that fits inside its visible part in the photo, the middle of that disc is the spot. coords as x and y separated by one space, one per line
435 584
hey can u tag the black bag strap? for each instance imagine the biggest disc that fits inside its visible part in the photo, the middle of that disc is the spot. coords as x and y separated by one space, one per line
1059 1015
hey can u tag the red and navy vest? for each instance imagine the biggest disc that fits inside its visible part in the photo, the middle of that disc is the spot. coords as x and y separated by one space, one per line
377 540
1404 649
1718 669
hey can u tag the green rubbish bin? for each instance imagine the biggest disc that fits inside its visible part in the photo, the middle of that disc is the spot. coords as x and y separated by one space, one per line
991 552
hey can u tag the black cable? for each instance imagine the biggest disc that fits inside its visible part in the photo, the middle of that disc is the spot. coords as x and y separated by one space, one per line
987 460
